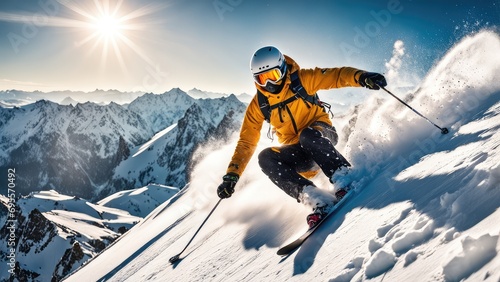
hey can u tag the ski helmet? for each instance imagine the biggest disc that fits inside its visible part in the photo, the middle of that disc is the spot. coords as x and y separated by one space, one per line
268 67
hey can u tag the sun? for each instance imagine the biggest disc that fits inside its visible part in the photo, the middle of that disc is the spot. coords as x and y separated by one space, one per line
108 26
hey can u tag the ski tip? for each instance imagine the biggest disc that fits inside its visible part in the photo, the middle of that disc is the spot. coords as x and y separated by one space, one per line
281 253
289 249
174 259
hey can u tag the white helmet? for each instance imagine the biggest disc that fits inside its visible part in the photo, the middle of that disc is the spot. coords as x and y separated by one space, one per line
268 67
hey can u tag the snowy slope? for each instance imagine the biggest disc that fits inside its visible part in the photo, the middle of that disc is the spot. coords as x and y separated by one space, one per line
52 225
426 207
143 158
139 202
58 233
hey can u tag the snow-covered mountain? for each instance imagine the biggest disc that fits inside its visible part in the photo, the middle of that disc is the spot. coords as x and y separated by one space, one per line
168 156
68 101
426 206
75 149
200 94
70 149
97 96
55 233
162 111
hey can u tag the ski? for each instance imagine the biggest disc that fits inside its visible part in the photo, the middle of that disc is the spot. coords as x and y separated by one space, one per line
288 249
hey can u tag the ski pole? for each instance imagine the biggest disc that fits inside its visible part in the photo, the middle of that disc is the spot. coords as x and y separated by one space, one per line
444 130
176 257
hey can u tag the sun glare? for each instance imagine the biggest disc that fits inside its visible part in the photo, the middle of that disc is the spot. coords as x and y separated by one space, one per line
109 28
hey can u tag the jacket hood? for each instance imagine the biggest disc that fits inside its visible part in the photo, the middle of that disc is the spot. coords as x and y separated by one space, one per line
290 61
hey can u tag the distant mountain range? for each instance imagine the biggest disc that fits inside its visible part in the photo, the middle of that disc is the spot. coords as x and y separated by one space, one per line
17 98
75 149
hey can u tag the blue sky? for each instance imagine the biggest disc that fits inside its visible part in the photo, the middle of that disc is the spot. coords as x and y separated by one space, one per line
157 45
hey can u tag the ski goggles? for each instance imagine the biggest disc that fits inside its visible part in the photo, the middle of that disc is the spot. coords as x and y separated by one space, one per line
272 75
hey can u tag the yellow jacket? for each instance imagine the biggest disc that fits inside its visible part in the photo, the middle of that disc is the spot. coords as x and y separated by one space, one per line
312 81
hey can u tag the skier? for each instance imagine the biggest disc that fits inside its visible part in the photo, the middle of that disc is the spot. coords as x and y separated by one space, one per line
302 126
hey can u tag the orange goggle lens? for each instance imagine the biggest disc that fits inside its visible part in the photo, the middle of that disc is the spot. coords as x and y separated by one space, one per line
272 75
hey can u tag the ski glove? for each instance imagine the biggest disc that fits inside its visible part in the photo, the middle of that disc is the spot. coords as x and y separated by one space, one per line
372 80
226 189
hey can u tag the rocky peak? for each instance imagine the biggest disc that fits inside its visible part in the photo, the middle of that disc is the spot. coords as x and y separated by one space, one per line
37 232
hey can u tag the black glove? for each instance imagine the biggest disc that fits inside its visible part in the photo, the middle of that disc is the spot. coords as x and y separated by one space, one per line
372 80
226 189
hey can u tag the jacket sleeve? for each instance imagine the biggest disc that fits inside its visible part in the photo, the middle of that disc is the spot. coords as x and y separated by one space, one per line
249 137
327 78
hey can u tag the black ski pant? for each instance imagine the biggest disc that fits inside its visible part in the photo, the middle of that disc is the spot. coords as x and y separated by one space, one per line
315 149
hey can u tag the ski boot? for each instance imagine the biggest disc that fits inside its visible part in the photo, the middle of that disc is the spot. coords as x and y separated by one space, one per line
319 212
320 201
341 193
